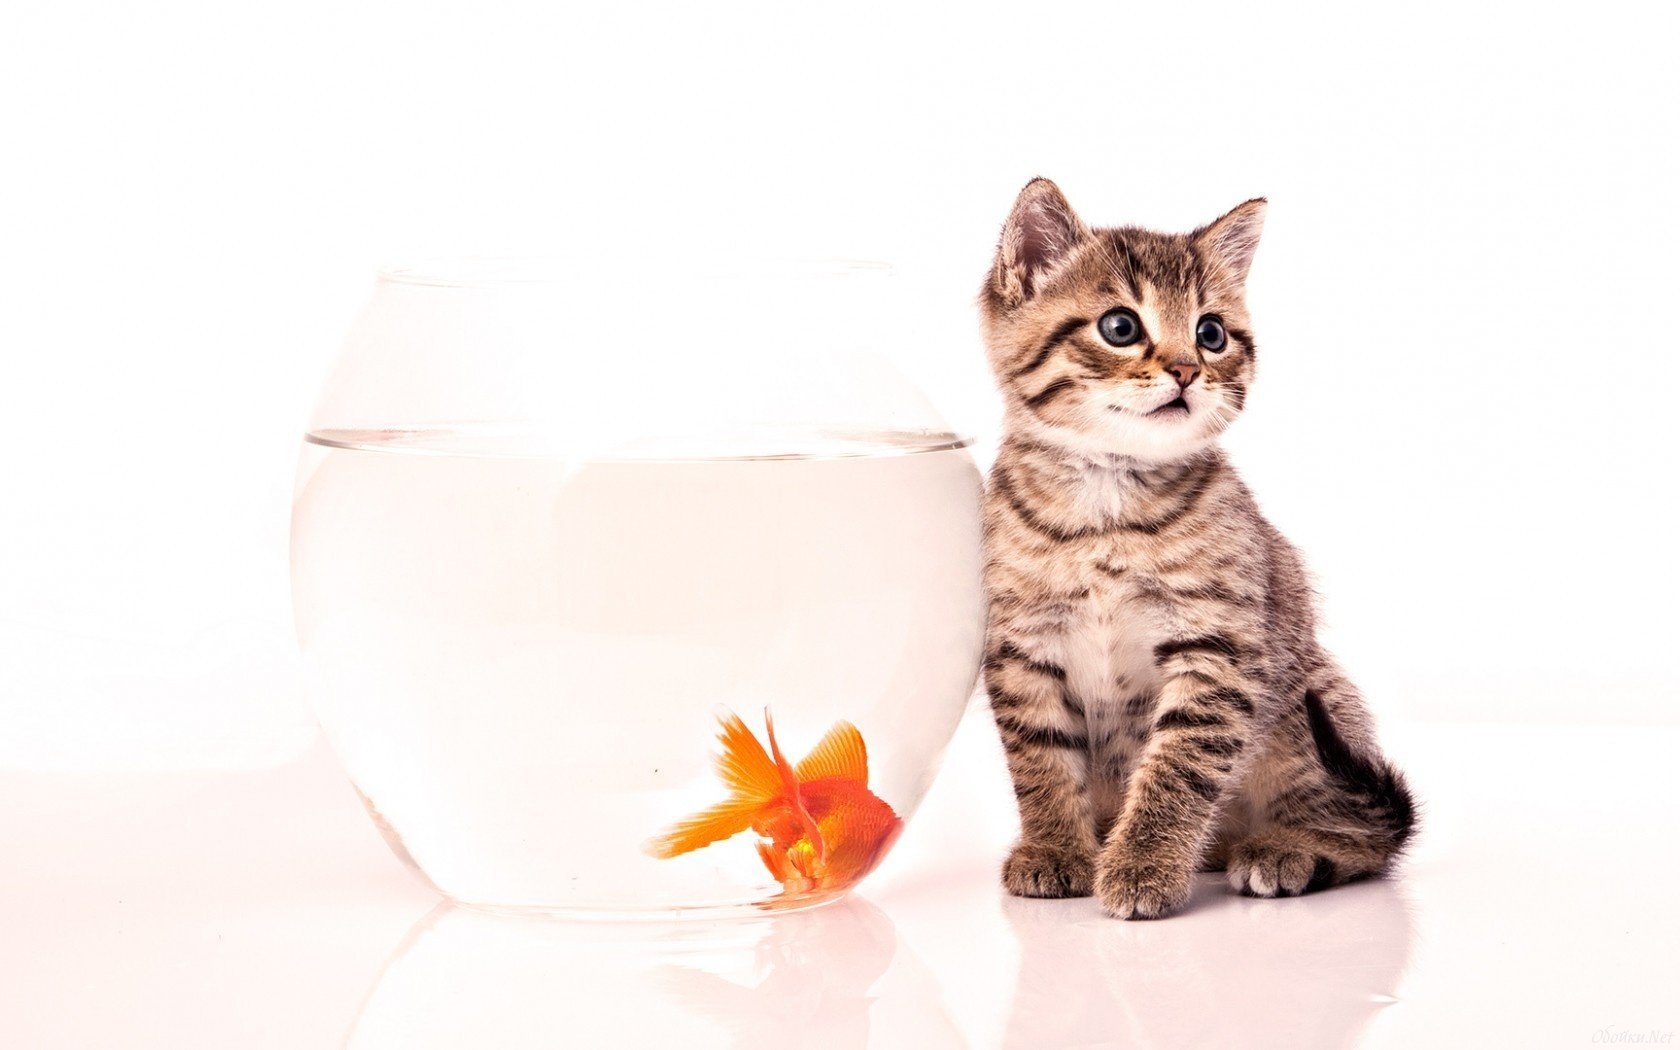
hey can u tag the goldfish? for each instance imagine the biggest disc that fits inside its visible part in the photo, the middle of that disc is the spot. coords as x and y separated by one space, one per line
819 825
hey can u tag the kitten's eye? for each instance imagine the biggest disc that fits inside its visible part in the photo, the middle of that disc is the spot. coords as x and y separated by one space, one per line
1120 327
1210 334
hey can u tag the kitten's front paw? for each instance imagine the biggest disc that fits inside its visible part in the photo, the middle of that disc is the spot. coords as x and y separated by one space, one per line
1035 869
1137 889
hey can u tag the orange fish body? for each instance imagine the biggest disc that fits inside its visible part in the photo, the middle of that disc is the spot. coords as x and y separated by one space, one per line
819 825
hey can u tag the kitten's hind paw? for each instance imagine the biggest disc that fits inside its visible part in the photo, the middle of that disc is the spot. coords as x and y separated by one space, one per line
1259 868
1038 870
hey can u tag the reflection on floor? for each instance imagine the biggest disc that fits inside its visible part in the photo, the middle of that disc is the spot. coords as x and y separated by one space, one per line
262 910
837 974
1228 972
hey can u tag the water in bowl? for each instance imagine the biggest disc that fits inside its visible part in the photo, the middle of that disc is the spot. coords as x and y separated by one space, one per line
520 657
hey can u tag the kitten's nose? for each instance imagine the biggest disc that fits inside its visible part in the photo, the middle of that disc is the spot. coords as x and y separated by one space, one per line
1185 372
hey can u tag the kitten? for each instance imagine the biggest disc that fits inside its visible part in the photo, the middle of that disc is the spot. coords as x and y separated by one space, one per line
1151 653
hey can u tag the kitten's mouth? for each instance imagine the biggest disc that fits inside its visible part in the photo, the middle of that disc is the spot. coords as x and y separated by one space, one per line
1172 409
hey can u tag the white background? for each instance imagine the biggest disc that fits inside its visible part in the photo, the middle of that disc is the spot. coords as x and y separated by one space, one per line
1463 298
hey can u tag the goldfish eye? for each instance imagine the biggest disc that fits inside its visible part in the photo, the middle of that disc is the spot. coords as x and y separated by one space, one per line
1120 327
1210 334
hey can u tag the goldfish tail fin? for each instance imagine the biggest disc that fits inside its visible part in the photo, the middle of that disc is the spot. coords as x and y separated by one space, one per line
752 776
840 753
790 782
784 769
721 821
754 782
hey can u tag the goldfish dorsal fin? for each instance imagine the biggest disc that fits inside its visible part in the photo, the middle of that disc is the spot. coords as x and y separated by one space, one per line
744 766
840 753
704 828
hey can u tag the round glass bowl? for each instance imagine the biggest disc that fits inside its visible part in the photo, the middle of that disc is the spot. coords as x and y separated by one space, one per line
569 546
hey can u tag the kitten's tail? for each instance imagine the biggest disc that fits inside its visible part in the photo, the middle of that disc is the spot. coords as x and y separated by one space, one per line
1373 783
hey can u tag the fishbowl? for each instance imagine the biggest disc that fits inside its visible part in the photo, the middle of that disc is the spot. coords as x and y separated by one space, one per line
623 596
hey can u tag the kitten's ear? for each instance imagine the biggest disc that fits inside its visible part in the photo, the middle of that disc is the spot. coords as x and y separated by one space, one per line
1229 241
1041 232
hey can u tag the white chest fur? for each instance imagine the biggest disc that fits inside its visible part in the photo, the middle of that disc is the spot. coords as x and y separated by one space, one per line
1108 647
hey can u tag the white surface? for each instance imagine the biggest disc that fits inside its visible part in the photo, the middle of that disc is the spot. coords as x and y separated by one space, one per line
261 910
1467 360
1463 417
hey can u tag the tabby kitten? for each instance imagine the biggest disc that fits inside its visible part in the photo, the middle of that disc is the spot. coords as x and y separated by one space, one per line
1151 654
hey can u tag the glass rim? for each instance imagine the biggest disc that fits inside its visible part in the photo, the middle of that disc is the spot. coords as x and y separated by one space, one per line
517 440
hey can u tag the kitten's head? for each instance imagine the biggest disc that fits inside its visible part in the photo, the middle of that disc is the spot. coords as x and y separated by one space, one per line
1120 340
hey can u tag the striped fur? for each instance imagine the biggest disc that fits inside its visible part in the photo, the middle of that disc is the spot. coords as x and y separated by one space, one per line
1152 659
